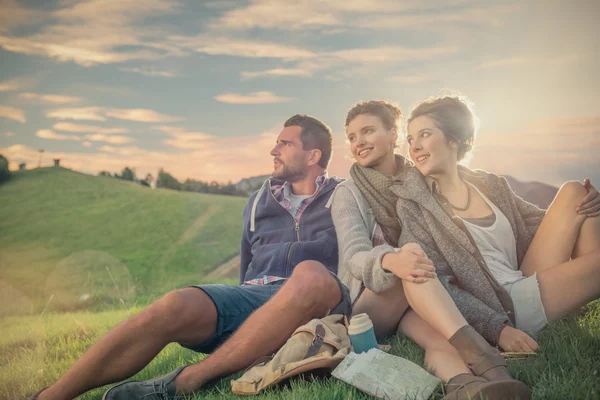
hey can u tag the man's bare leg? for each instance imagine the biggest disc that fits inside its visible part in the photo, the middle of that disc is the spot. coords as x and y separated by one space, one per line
186 316
310 293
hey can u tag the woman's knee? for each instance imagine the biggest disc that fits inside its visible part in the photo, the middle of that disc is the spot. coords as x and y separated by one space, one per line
571 193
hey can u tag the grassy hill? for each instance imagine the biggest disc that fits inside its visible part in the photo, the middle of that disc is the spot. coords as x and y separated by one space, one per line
71 241
78 254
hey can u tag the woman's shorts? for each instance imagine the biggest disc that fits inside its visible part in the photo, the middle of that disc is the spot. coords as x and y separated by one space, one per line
530 316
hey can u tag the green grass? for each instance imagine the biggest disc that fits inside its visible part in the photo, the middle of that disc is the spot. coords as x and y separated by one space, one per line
36 350
64 235
70 241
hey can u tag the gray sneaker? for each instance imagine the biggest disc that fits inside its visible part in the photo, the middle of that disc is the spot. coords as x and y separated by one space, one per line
161 388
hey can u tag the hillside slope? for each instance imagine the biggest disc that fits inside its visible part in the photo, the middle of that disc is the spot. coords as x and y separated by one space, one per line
73 241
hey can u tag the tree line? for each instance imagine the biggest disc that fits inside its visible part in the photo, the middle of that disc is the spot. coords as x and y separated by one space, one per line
167 181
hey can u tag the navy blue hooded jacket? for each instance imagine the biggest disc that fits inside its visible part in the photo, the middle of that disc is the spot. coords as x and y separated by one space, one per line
273 243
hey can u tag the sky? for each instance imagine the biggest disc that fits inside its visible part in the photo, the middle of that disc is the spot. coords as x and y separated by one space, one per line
202 89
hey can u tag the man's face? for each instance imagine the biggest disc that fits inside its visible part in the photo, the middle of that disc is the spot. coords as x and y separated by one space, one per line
290 160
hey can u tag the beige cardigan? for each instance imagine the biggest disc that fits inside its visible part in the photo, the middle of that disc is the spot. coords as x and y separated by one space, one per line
426 220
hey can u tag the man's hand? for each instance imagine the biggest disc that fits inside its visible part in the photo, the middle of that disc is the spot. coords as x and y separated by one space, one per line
512 339
410 263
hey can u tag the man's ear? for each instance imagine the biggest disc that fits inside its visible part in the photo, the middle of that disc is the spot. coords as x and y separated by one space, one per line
315 157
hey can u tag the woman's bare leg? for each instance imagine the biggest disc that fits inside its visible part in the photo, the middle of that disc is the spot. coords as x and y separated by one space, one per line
433 303
388 310
565 284
567 287
441 358
562 233
589 237
384 309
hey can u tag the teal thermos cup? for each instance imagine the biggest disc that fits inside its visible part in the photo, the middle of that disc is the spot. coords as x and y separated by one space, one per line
361 333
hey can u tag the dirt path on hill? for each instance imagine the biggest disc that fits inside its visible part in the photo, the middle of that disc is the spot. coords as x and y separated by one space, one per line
191 232
229 269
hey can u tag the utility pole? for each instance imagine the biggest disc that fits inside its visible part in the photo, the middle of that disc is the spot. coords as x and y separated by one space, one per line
40 159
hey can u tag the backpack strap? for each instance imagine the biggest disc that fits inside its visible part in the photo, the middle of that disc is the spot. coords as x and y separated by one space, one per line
317 341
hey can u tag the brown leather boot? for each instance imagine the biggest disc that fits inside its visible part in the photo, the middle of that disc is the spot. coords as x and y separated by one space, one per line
470 387
485 360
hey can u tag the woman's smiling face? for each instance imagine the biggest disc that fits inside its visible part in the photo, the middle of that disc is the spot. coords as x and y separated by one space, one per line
429 149
370 141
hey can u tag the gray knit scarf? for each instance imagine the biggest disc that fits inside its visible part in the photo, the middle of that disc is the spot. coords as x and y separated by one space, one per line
375 186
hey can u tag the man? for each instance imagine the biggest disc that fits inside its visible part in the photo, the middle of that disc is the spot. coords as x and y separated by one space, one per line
289 258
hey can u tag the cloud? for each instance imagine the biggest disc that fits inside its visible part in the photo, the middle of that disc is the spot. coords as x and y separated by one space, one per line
15 84
50 98
190 140
50 134
101 113
548 150
87 144
149 72
140 115
96 32
13 113
78 114
9 134
252 98
113 139
109 138
227 46
380 15
70 127
14 15
528 60
277 72
413 79
389 54
221 159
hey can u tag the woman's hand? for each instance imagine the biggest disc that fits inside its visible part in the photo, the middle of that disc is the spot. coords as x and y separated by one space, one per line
590 204
409 263
512 339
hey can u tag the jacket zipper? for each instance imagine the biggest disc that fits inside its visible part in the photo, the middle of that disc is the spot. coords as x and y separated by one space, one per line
296 225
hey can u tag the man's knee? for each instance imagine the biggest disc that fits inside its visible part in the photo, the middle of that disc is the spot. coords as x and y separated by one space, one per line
311 280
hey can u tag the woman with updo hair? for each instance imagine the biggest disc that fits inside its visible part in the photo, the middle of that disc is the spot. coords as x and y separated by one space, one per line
509 266
397 285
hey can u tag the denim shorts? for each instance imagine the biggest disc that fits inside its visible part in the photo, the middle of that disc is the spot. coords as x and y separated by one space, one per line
235 303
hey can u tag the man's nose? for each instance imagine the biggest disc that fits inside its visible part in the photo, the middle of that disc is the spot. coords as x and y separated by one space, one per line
274 151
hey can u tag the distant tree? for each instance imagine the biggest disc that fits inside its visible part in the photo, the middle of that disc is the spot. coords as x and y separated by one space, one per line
167 181
104 173
229 190
128 174
4 171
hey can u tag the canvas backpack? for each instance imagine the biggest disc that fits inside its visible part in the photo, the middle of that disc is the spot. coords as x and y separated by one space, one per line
320 345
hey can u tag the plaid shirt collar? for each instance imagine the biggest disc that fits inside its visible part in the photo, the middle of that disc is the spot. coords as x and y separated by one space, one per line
282 194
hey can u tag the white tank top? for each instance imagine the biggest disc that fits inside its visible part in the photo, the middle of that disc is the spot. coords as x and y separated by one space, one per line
497 245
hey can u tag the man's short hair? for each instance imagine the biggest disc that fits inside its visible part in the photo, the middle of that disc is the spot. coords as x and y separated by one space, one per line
315 135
